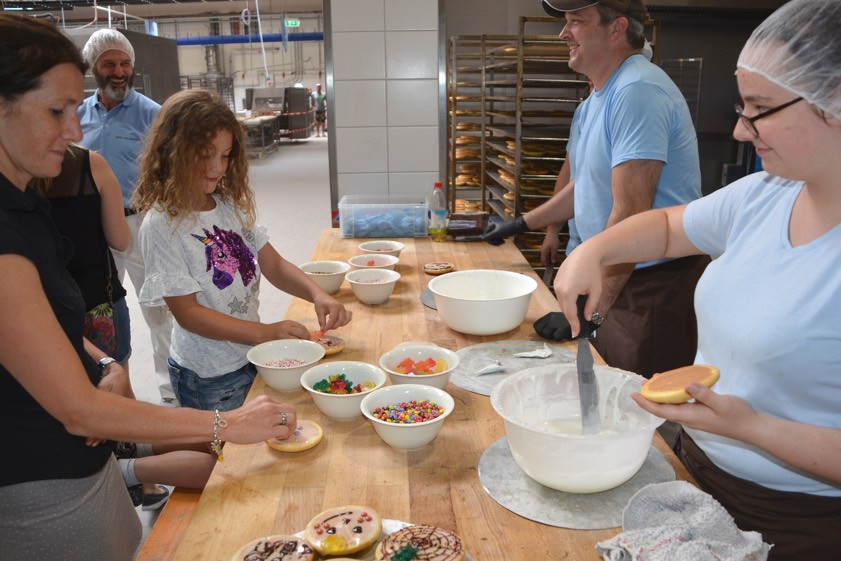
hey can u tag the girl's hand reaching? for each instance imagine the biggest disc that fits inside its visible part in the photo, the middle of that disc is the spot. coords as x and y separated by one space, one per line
286 329
331 313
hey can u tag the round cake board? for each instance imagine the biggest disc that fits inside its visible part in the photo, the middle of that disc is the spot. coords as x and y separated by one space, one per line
428 299
475 357
508 485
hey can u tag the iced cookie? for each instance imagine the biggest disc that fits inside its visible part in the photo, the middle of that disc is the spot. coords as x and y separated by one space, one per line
276 548
343 530
306 435
438 268
331 343
421 543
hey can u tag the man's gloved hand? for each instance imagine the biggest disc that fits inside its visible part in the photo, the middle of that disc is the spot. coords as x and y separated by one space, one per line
496 232
553 326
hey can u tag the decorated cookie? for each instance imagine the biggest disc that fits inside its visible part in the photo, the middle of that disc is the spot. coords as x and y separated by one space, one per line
306 435
421 543
331 343
276 548
343 530
438 268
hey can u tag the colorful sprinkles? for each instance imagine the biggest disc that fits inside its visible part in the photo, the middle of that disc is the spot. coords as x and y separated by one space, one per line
408 412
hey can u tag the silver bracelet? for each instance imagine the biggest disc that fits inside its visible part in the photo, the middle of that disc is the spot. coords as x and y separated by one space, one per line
216 444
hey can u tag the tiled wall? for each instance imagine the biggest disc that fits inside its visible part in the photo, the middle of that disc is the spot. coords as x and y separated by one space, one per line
384 111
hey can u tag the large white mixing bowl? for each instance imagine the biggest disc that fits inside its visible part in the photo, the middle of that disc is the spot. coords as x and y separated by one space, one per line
482 302
542 417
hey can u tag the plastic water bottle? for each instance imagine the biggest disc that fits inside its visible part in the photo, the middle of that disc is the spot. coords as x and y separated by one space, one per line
438 214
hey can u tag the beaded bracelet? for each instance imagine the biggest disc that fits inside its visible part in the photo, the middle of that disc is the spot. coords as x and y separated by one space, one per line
216 444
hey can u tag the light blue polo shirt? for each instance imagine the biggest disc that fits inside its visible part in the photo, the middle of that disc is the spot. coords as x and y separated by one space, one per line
639 114
118 135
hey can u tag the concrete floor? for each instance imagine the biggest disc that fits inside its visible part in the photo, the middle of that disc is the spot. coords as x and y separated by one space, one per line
292 186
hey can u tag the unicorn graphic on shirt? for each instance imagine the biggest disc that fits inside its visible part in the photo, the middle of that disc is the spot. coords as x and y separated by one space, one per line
226 252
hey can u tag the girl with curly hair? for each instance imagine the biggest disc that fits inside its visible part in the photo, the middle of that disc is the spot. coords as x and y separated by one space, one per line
205 254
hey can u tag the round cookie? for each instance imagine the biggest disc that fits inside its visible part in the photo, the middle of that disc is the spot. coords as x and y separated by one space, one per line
428 542
670 386
343 530
306 435
331 343
276 548
438 268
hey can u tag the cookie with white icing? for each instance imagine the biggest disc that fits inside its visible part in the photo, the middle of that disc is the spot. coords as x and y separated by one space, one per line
276 548
343 530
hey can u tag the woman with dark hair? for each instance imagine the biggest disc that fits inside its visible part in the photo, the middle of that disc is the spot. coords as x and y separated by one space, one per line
60 498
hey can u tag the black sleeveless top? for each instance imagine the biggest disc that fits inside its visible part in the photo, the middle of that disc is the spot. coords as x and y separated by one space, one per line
38 444
76 211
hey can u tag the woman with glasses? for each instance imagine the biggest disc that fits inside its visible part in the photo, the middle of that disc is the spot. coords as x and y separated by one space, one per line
766 440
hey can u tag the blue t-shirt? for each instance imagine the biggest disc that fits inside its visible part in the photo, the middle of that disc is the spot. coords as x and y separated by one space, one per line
769 317
118 135
639 114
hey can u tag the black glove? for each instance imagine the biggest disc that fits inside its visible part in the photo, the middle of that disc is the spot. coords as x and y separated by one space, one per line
496 232
553 326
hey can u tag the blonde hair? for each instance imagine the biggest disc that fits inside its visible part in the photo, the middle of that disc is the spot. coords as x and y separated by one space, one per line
183 132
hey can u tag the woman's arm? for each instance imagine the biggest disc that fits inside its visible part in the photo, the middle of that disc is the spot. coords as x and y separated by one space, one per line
114 223
646 236
292 280
42 359
813 449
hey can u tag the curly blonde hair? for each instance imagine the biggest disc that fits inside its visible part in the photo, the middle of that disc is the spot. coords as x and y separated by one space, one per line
170 173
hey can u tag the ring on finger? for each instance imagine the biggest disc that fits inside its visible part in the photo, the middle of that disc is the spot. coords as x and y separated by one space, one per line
284 419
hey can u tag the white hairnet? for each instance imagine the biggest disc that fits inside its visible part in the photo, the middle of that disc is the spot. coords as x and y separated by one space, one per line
106 40
799 48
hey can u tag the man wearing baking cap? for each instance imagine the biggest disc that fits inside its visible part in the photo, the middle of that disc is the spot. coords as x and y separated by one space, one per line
114 122
632 147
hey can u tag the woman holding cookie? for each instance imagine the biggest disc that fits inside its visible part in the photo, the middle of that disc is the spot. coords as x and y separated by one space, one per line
766 441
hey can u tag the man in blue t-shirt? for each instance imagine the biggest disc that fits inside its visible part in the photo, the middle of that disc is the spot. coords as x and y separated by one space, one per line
114 122
632 147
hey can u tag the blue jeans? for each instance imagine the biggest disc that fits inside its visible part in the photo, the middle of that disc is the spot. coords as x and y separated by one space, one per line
122 325
225 392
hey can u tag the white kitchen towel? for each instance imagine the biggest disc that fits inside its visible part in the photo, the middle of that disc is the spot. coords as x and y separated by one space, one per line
675 521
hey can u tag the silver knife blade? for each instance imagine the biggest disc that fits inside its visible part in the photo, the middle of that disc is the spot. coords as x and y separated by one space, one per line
547 275
588 390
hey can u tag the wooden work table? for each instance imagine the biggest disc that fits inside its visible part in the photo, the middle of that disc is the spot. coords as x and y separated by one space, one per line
257 491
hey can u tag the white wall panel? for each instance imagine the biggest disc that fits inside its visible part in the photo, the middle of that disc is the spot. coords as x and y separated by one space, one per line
411 54
412 149
358 15
358 56
361 150
412 103
359 103
411 14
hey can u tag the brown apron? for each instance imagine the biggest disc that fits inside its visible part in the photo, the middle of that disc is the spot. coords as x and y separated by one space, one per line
802 527
651 326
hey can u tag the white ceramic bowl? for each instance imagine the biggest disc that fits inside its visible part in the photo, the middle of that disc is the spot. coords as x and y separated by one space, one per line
542 417
373 286
407 436
284 378
342 407
384 247
374 261
482 302
326 274
417 352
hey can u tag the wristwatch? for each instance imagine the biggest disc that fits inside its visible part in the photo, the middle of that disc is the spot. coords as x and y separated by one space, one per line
103 363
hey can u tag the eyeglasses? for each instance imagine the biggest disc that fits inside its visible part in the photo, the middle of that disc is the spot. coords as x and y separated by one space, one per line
750 122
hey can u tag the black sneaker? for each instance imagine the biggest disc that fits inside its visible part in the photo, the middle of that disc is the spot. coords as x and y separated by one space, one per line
136 494
154 501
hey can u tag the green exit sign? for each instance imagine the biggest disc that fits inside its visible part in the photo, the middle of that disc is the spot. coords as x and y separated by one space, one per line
293 23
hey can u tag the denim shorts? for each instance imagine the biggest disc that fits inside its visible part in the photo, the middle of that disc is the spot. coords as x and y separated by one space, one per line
225 392
122 325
